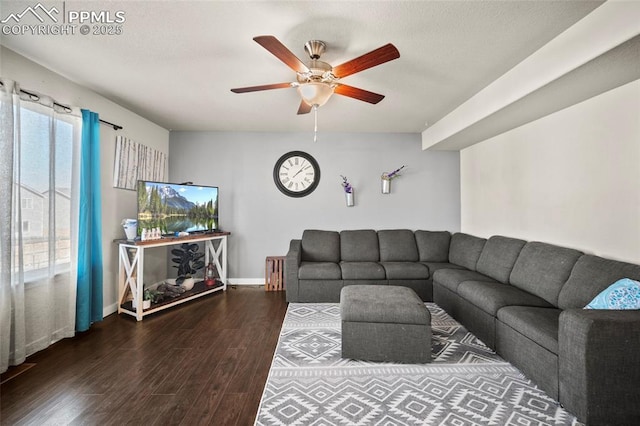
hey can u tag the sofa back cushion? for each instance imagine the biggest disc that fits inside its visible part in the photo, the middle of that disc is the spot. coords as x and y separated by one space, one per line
465 250
433 246
320 246
359 246
542 269
591 275
397 245
498 257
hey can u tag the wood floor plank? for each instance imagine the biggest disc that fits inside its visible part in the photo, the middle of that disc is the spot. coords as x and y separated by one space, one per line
203 362
213 394
229 412
259 379
250 359
151 411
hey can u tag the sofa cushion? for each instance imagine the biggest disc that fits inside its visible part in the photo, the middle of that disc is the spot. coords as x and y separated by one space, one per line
436 266
542 269
359 246
320 246
491 296
405 270
452 278
433 246
590 275
319 291
362 271
498 257
537 324
465 250
397 245
319 271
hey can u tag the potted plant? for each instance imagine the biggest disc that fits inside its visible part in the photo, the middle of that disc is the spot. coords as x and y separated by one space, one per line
188 261
148 297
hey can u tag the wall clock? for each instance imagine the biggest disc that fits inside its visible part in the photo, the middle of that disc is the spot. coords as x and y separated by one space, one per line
296 174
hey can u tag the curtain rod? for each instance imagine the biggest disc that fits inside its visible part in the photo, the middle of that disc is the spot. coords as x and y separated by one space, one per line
115 126
35 97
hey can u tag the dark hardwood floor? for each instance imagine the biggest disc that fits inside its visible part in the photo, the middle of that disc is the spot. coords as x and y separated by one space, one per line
203 362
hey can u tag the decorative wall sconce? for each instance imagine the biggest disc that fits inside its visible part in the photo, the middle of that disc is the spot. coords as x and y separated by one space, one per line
386 179
348 191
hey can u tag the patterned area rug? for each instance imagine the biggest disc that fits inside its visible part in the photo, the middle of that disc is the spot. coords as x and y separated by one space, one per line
466 383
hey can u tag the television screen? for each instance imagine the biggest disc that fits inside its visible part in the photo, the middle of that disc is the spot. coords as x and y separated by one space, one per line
177 208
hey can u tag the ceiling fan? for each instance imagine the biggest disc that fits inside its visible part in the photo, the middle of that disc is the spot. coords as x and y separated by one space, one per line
317 81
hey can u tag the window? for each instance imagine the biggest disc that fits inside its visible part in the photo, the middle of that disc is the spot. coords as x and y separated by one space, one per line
39 160
46 155
27 203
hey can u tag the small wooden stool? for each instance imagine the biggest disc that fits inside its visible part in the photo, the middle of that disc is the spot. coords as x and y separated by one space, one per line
274 273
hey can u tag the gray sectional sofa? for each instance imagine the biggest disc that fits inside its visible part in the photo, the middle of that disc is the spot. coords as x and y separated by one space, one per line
523 299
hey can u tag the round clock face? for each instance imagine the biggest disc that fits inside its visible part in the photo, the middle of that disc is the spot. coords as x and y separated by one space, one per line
296 174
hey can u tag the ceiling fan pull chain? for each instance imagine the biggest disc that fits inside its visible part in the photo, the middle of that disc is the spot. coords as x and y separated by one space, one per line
315 126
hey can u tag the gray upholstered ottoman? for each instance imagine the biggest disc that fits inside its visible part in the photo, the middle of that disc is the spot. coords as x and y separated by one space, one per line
384 323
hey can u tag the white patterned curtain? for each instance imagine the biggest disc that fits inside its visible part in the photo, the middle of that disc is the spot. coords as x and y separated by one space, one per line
39 172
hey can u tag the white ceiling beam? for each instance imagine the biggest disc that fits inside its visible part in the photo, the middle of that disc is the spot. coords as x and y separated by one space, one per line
607 27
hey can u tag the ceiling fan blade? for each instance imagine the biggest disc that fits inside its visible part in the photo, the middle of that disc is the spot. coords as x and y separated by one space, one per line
360 94
383 54
304 108
263 87
281 52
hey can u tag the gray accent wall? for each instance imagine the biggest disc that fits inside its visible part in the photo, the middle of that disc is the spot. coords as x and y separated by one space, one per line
262 220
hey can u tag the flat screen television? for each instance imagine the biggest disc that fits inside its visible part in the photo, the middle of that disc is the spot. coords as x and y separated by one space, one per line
177 207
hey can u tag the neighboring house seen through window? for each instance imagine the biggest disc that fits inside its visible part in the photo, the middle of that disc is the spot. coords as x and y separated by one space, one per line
45 192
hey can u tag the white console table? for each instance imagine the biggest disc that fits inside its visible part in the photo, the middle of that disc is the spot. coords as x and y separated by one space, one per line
131 271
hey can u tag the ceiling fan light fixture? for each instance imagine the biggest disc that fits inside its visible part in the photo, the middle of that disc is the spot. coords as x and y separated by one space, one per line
318 80
315 93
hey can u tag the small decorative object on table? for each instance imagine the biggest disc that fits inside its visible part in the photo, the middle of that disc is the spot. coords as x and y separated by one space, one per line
386 179
169 289
188 261
149 297
210 275
348 191
150 234
130 228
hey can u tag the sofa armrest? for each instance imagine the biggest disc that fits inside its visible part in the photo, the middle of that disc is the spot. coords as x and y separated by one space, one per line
599 365
291 266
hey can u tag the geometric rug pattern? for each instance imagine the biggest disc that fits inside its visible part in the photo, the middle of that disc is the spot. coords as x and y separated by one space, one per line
465 384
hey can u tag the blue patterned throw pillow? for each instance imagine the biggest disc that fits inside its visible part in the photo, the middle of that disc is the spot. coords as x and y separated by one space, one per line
623 294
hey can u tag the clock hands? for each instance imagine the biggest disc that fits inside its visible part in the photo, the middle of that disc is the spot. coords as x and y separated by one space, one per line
300 171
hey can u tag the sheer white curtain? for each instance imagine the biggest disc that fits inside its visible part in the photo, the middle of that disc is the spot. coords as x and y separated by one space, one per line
39 172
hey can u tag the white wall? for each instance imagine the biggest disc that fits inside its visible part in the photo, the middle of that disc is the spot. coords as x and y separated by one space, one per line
571 178
263 221
117 204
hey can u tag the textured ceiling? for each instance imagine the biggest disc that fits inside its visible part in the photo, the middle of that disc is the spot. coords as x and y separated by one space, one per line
175 62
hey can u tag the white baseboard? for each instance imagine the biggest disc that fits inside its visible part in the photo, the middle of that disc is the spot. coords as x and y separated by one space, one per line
246 281
108 310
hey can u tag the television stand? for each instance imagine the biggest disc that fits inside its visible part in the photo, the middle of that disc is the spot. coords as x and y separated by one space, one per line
131 271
